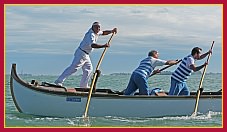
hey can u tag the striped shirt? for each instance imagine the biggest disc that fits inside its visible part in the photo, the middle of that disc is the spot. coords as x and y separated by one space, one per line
183 71
147 66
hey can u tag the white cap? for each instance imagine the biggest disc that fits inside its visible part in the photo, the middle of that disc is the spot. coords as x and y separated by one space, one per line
96 23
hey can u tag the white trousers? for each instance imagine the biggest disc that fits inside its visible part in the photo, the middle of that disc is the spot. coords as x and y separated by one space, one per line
83 60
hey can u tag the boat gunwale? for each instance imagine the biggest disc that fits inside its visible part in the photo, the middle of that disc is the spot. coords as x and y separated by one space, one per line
60 91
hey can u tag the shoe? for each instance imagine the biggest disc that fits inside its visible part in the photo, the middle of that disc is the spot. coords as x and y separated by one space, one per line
58 83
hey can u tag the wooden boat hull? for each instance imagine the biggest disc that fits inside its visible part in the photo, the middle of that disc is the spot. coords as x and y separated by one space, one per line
58 102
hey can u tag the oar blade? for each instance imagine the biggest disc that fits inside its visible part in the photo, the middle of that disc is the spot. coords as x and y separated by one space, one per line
194 114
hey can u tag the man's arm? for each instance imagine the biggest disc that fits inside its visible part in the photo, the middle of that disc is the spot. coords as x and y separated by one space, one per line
106 32
100 45
171 62
194 68
205 54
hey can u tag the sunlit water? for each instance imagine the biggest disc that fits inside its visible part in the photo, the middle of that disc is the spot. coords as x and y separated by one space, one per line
212 82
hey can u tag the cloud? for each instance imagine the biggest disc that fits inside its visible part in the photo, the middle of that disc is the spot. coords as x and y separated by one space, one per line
58 30
68 23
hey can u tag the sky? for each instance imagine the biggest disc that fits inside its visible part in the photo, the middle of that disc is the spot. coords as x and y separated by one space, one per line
41 39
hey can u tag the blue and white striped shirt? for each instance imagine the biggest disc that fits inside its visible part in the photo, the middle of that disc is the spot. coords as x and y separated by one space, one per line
183 71
147 66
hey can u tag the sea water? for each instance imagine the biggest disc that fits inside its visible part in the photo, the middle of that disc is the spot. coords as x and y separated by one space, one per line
117 82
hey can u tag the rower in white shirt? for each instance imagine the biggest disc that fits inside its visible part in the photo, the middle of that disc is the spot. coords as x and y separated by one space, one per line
81 55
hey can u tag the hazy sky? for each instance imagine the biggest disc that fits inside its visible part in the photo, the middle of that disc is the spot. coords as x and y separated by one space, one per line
41 39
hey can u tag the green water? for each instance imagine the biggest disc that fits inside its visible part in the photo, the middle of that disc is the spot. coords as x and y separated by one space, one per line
212 82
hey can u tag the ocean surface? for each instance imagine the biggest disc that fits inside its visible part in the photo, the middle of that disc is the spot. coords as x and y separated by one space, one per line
212 82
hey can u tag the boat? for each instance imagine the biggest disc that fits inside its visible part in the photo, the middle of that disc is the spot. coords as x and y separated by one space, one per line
46 99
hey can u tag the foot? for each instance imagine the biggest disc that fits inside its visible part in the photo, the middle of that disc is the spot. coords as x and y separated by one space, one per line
58 83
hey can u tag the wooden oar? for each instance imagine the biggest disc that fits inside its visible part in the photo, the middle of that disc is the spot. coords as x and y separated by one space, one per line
165 68
94 78
200 84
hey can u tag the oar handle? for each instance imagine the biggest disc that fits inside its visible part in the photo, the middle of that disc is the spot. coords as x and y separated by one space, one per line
208 58
165 68
200 84
103 53
204 71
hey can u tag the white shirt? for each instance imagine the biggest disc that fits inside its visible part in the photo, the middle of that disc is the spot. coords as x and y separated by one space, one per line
190 61
89 38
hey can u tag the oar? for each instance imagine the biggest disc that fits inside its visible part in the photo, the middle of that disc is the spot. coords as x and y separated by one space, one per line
165 68
200 84
94 78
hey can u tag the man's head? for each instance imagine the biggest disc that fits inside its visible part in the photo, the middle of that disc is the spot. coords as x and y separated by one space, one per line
96 27
196 52
153 53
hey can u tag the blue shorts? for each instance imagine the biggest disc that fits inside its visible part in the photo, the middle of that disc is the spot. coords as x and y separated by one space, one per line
178 88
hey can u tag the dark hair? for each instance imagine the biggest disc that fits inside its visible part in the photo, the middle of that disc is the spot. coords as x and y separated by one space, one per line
95 23
196 50
152 52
